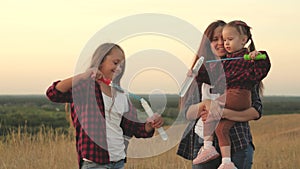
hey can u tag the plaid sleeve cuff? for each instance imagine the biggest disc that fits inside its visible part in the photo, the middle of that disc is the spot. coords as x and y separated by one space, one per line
57 96
256 101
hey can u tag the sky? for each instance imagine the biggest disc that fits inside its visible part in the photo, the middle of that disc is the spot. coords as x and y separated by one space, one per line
42 41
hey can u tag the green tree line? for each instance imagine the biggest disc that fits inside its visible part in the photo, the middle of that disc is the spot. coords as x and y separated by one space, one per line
34 111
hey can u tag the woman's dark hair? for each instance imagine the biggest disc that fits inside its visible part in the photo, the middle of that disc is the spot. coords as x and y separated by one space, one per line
205 49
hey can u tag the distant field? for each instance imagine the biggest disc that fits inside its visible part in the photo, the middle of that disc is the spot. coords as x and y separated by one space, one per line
281 105
276 138
34 111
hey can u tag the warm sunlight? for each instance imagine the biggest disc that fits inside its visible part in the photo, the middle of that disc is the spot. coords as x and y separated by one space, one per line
41 41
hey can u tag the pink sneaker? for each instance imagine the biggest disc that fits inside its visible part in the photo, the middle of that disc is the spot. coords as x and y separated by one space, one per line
227 166
205 155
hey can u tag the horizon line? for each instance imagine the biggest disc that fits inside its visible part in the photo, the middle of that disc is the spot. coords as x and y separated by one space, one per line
274 95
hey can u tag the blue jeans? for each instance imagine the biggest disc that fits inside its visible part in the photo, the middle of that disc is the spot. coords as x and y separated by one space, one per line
111 165
242 159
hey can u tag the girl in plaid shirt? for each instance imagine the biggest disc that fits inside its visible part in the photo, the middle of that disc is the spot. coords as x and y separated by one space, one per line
241 76
102 116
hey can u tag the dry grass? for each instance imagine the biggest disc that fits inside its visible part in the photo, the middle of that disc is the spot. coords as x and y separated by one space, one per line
277 142
47 149
275 137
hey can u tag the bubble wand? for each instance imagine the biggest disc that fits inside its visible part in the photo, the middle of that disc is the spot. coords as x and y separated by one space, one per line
245 57
189 79
143 102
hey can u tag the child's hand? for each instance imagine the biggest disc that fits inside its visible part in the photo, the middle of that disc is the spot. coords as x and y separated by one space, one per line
96 74
93 73
156 121
253 54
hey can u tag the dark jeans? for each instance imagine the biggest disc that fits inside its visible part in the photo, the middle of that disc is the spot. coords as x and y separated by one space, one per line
112 165
242 159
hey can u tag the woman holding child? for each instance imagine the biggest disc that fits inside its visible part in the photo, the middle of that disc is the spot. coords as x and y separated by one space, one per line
242 148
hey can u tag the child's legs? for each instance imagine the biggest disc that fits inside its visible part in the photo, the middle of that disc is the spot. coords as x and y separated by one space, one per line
208 131
199 128
212 119
222 132
236 99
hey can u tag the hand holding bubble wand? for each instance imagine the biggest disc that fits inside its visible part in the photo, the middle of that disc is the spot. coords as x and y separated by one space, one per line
143 102
189 79
245 57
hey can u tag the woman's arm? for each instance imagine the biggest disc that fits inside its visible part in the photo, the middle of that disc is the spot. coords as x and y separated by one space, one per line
253 113
240 116
64 85
192 112
60 91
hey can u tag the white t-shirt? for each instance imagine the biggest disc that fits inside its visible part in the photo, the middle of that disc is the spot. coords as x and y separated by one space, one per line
205 89
114 133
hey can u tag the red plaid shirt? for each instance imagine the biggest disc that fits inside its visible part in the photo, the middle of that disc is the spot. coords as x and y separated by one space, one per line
88 115
239 73
244 74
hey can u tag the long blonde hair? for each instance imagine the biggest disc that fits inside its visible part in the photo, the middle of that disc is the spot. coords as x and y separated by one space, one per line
97 59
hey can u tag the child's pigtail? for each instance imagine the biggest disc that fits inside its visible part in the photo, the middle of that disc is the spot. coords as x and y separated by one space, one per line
251 47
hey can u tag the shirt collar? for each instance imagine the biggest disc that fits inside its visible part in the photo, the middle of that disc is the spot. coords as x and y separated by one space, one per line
237 53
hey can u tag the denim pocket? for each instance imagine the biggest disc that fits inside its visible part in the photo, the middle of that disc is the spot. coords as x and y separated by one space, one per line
88 165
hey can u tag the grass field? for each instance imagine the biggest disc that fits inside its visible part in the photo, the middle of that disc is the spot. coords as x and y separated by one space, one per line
276 138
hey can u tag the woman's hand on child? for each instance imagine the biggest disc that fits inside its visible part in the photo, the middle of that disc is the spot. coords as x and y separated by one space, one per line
203 109
204 114
211 113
